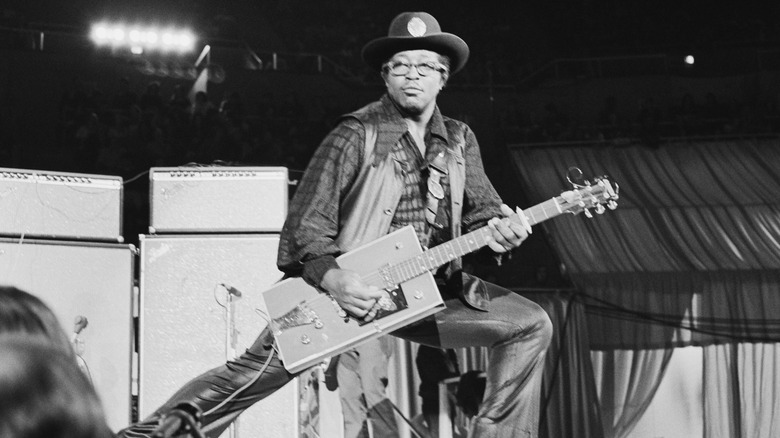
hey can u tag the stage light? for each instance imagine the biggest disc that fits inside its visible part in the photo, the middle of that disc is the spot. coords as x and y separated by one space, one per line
689 60
186 41
117 36
143 38
99 33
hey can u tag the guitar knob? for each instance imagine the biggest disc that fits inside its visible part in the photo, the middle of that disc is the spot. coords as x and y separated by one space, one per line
600 209
588 214
612 205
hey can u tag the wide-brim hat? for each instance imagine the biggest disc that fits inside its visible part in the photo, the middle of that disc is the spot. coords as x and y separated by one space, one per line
416 31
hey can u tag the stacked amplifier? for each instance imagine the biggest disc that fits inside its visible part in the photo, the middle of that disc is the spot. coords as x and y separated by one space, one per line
46 204
210 253
60 239
208 200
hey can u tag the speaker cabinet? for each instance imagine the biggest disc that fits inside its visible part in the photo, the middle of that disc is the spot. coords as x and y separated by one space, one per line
88 280
217 199
186 325
72 206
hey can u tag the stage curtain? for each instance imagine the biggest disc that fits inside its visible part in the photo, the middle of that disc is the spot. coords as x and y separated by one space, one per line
741 381
683 208
627 381
691 256
570 406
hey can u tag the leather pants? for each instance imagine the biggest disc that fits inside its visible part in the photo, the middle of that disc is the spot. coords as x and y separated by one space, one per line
516 330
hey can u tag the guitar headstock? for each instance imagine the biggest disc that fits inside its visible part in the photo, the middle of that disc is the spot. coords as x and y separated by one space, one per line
586 195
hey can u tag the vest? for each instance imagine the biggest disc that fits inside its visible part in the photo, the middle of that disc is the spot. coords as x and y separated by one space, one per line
369 206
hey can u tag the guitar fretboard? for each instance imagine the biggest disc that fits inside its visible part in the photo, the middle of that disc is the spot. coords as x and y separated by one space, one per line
437 256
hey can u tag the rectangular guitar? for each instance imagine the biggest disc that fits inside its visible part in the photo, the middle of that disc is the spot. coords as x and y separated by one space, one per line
309 326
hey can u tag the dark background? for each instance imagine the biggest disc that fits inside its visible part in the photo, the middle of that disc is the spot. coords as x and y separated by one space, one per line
541 73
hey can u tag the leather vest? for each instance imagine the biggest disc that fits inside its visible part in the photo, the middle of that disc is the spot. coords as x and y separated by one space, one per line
370 204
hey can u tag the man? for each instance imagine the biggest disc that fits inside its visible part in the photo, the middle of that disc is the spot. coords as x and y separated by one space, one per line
369 177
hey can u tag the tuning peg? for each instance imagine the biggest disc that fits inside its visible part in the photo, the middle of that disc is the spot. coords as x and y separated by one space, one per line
588 214
600 209
612 205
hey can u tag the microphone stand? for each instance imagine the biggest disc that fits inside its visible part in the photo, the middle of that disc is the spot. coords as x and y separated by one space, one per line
230 342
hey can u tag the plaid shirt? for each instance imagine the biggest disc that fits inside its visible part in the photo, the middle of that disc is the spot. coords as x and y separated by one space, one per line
307 246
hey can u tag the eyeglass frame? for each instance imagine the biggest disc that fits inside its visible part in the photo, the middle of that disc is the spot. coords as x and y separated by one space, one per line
434 66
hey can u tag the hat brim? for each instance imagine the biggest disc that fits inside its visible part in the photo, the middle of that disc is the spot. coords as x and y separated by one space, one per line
376 52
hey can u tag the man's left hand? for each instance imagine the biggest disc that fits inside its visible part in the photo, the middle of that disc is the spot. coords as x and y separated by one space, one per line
509 231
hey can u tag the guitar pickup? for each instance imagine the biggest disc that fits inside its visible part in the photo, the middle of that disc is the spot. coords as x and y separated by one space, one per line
394 301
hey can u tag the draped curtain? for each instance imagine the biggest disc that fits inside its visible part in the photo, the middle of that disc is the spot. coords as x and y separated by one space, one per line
627 381
741 384
691 256
566 412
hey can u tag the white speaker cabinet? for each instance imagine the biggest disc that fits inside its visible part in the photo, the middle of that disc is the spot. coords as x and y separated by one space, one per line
71 206
186 326
90 280
217 199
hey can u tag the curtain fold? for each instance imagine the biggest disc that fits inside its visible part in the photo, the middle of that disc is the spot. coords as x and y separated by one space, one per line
691 256
570 406
685 207
627 381
740 386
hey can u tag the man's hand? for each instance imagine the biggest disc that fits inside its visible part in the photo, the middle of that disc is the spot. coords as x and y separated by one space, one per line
351 293
508 232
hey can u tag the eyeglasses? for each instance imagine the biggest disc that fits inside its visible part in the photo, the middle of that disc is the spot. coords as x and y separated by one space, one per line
400 68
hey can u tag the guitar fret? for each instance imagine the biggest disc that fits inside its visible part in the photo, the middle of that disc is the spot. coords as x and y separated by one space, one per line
460 246
557 205
439 255
530 215
414 269
447 255
394 274
420 260
470 244
411 270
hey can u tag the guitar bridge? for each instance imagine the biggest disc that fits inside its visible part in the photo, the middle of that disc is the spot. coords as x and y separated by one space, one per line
296 317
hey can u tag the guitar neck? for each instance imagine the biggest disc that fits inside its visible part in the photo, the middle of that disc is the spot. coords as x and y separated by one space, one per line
437 256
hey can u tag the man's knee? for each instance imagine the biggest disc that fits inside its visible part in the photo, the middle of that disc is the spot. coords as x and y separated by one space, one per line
544 328
537 327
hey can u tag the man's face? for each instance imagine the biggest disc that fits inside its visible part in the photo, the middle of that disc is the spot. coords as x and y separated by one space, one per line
412 91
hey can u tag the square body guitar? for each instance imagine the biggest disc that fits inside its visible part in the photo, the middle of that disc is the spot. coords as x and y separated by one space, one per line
307 325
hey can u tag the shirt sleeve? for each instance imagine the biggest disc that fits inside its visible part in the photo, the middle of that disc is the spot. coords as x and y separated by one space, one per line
307 245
